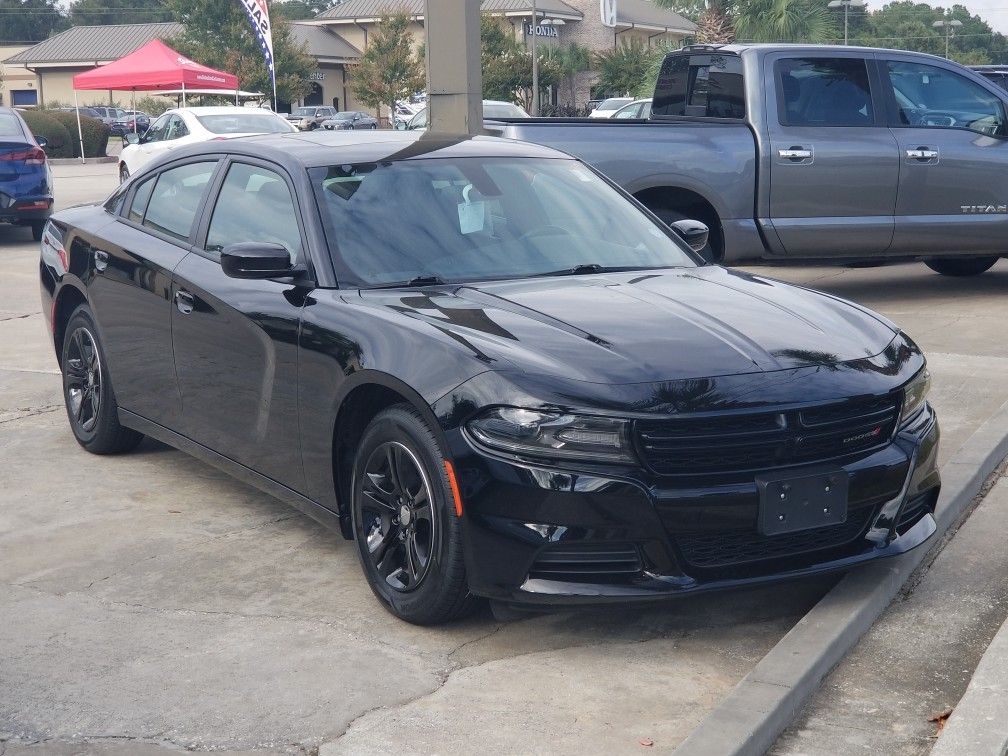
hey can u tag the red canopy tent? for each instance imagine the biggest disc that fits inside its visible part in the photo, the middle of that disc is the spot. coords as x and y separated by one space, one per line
150 68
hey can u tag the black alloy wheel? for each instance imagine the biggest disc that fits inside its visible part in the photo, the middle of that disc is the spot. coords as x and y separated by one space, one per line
398 516
87 390
405 523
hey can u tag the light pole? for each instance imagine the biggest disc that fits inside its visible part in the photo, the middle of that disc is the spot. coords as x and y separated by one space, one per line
846 5
535 62
949 25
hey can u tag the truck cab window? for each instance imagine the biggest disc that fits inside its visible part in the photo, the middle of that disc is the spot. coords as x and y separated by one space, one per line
703 86
932 97
823 92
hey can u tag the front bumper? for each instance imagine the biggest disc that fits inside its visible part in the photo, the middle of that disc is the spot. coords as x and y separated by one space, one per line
536 535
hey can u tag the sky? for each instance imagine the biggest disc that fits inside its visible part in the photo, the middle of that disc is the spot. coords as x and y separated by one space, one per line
994 12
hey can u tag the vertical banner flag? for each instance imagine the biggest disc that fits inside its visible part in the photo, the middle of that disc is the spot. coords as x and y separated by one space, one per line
258 15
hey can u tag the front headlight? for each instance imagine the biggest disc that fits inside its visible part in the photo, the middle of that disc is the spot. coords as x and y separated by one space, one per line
553 435
915 395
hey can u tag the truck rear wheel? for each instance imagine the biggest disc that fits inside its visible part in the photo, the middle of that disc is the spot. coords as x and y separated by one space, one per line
956 266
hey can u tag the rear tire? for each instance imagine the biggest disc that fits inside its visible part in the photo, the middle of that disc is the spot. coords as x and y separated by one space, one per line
37 228
87 390
408 536
960 266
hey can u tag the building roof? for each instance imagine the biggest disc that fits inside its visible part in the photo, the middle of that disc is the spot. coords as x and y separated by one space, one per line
643 13
323 44
369 10
94 44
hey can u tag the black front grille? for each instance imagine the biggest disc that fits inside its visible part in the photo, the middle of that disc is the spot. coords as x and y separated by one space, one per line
587 561
730 548
750 442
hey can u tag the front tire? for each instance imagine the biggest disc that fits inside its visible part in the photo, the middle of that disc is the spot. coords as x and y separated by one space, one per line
961 266
408 535
87 390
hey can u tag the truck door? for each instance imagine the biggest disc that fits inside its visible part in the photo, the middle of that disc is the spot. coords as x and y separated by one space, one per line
951 130
833 164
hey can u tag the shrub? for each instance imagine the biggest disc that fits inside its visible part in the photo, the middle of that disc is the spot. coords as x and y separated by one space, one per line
95 133
42 124
153 106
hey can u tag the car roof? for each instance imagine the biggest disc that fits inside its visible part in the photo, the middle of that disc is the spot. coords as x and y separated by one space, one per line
219 110
319 148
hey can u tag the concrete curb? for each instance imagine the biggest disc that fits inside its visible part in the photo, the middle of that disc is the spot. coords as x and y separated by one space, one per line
979 723
87 161
754 714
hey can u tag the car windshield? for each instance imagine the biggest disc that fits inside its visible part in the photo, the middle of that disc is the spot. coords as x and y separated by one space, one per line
345 115
613 103
502 110
471 219
304 111
244 123
10 126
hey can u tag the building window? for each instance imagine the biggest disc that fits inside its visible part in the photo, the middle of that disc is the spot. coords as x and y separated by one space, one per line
24 97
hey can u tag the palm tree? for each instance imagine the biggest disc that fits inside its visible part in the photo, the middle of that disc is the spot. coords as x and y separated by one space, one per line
572 59
783 21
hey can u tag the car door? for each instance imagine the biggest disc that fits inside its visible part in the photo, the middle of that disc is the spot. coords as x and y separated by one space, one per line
131 287
951 129
833 164
236 341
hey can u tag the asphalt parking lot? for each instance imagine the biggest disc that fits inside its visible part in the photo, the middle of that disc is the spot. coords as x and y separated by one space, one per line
150 599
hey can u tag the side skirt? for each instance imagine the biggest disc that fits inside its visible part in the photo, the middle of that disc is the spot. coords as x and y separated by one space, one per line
246 475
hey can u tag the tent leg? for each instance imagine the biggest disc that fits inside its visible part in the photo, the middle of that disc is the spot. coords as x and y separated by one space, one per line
80 132
183 94
134 112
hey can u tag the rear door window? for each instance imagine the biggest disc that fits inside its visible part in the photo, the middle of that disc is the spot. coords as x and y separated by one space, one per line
175 201
823 92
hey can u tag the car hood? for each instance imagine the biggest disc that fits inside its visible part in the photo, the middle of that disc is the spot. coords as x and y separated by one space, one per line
646 326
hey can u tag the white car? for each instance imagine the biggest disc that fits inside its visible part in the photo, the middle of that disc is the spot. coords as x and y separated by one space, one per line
606 108
636 109
181 126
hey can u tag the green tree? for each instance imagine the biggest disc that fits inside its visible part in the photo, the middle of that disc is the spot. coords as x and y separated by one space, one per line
30 20
103 12
298 10
570 60
218 34
507 65
907 25
623 69
389 69
784 21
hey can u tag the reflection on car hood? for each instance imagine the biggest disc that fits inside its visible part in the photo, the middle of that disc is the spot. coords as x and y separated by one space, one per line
646 325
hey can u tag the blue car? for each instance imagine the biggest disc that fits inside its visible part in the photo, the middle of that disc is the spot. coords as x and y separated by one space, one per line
26 196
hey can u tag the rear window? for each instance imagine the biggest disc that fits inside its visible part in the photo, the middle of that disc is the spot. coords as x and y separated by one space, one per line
10 126
702 86
245 123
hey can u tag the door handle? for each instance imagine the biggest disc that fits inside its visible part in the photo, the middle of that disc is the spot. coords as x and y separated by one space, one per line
795 153
922 153
184 301
101 259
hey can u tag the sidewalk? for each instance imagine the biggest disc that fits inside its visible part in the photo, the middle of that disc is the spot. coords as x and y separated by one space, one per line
979 723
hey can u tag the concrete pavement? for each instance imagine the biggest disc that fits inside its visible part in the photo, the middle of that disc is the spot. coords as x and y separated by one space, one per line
150 600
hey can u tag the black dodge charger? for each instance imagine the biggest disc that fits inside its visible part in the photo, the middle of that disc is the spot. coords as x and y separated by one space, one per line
489 367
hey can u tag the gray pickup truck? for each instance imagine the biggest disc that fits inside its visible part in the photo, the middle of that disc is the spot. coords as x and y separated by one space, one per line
813 153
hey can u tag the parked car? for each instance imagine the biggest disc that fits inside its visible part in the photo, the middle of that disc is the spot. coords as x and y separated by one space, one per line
84 111
136 121
492 110
484 363
996 74
606 108
26 185
310 117
182 126
636 109
349 120
814 153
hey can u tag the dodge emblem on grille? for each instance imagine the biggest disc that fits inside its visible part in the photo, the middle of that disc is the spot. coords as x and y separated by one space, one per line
862 436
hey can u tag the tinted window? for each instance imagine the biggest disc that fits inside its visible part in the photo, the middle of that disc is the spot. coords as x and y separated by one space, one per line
470 219
157 130
10 126
176 129
140 198
114 204
176 199
931 97
705 86
254 205
823 92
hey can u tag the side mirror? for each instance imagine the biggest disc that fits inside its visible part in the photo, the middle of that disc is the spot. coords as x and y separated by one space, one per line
257 260
41 141
130 138
693 232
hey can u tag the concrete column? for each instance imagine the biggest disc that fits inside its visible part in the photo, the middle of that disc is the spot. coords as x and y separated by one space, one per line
454 75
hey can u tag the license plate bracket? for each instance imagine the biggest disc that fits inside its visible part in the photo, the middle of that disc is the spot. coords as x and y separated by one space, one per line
789 502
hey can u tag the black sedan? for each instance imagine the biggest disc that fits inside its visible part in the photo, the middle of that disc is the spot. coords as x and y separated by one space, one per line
350 119
489 367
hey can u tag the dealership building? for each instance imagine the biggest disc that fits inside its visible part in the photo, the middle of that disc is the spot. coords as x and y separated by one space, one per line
559 23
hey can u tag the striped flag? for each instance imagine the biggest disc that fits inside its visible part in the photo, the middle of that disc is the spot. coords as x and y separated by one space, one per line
258 15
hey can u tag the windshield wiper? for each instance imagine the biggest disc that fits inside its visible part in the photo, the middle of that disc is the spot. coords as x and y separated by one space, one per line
579 270
417 281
